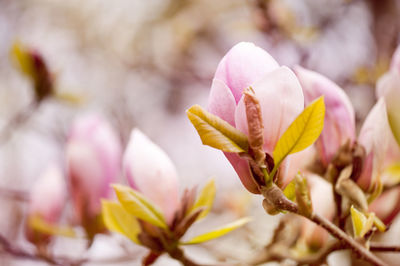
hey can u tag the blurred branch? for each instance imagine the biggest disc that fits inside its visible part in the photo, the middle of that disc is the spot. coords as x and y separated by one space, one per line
17 195
17 120
7 247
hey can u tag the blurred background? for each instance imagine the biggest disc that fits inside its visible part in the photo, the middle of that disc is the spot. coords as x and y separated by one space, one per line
143 63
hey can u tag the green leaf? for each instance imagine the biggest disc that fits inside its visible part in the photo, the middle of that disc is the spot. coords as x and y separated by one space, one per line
290 190
205 199
117 219
361 223
216 132
136 204
303 132
218 232
38 224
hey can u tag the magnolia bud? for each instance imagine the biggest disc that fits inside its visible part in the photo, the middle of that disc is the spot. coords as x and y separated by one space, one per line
47 200
150 171
93 156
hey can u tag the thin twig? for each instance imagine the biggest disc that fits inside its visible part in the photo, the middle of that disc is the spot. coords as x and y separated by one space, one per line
377 247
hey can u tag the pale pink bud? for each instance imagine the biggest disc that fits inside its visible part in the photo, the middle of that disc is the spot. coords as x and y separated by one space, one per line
47 200
93 156
150 171
339 126
387 205
276 88
374 137
323 204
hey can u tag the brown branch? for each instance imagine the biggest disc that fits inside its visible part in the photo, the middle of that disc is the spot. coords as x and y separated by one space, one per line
377 247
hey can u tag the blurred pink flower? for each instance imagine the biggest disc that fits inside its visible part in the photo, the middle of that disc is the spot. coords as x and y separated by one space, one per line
93 156
339 124
277 89
47 200
323 204
150 171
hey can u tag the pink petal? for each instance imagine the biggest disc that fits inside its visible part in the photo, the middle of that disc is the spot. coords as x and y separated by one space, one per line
374 137
150 171
242 168
244 64
281 99
221 102
339 124
387 205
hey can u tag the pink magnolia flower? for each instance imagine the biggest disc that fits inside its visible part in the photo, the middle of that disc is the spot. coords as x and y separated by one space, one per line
277 89
93 156
323 204
47 200
339 124
150 171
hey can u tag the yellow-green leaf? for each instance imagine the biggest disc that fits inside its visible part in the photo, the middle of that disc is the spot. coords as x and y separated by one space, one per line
135 203
393 171
216 132
290 190
303 131
38 224
218 232
379 224
205 199
23 59
70 98
362 224
358 219
117 219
